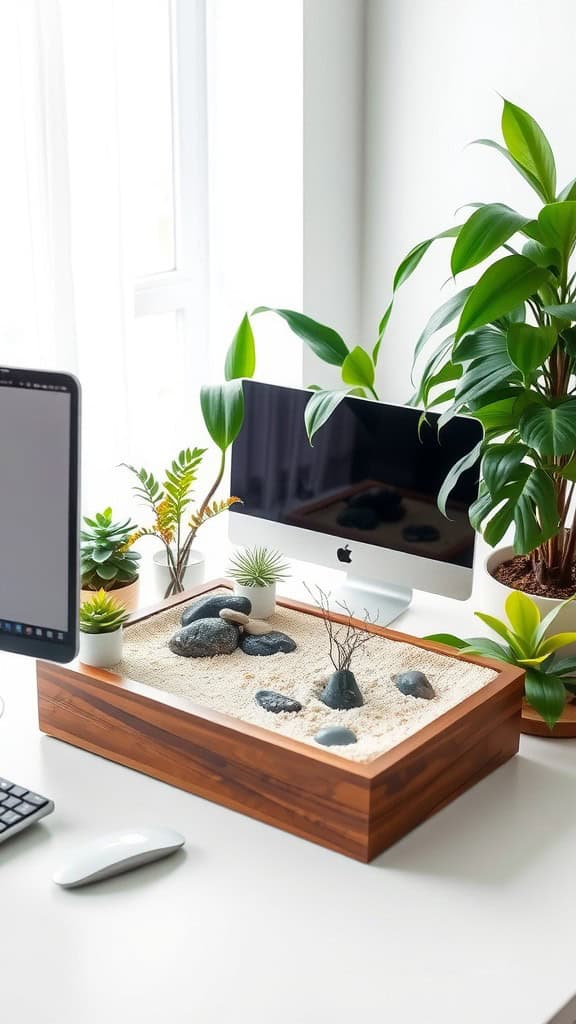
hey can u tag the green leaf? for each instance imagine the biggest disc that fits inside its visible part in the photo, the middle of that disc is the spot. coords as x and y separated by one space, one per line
502 286
556 642
540 254
500 465
527 175
488 649
319 409
528 145
485 231
223 411
550 429
444 315
358 368
568 192
501 629
558 226
447 638
529 347
241 356
565 311
413 258
323 341
551 617
523 615
454 474
448 372
381 331
546 694
528 501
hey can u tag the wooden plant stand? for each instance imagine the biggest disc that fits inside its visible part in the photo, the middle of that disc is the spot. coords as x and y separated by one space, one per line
356 809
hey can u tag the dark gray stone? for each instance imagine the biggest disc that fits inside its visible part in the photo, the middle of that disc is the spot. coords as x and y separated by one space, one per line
414 684
268 643
422 534
210 606
360 518
342 691
204 638
276 702
335 736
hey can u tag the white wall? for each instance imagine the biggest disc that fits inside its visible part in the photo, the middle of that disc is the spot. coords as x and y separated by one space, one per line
433 73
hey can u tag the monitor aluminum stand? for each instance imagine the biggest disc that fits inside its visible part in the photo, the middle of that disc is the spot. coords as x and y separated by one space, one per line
380 601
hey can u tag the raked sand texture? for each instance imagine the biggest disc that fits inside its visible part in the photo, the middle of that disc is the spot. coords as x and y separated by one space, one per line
228 683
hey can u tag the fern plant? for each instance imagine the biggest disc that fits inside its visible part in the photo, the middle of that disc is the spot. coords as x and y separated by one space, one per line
105 560
102 614
170 501
258 567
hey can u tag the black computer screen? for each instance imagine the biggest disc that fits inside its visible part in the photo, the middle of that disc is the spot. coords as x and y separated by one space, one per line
370 476
38 513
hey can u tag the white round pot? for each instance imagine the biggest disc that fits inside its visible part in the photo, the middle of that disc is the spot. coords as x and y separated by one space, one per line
193 573
101 649
263 599
490 596
126 595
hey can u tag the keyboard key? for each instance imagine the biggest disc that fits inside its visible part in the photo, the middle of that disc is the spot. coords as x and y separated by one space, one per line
18 791
10 818
5 784
36 799
25 808
10 802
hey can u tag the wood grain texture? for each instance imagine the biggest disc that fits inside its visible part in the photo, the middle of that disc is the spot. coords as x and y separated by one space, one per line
356 809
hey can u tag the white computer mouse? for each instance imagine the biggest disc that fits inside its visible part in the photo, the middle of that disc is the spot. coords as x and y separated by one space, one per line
115 853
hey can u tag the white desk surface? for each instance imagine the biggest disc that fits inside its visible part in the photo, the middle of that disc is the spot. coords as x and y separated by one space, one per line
468 920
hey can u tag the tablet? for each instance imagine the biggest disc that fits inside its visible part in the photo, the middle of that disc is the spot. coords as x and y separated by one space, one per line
39 511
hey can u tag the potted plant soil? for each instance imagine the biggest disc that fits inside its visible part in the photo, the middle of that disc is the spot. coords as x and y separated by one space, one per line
101 621
106 560
256 572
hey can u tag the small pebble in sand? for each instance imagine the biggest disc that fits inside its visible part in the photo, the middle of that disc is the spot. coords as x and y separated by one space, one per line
335 736
414 684
269 700
232 615
270 643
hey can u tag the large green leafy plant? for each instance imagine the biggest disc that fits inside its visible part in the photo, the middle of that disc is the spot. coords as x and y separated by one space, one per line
550 677
502 349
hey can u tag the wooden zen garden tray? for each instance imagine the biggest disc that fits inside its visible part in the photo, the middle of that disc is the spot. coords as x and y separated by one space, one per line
358 809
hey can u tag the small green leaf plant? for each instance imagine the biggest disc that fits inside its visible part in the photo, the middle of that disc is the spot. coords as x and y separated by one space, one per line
258 567
106 561
550 678
175 524
502 350
102 614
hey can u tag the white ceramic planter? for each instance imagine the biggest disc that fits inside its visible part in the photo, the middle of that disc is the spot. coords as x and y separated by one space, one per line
102 650
127 596
263 599
193 573
490 596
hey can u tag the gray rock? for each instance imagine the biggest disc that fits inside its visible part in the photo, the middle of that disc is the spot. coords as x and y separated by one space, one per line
335 736
210 605
205 638
269 643
231 615
414 684
276 702
342 691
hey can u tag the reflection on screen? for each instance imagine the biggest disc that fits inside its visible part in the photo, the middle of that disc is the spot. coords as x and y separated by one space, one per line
369 477
34 482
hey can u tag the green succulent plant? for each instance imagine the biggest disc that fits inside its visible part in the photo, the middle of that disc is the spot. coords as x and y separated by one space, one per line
258 567
102 614
105 560
550 678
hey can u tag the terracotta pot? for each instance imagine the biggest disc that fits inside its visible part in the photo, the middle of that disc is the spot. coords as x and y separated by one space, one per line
263 599
101 650
193 573
126 595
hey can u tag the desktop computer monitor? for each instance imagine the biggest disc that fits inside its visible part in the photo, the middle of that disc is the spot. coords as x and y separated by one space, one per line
363 498
39 474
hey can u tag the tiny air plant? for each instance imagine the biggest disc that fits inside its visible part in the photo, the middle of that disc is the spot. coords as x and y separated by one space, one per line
175 524
345 638
102 614
258 567
550 678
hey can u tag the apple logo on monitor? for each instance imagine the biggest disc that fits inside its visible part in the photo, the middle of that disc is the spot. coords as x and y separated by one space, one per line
344 554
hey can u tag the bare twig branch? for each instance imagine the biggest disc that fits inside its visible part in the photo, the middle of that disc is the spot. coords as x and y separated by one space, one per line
344 639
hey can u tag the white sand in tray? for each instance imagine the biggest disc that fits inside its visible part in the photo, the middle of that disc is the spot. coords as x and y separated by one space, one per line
227 683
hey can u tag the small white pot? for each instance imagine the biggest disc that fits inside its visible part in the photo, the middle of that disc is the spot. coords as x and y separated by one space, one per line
101 649
491 595
127 595
193 573
263 599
